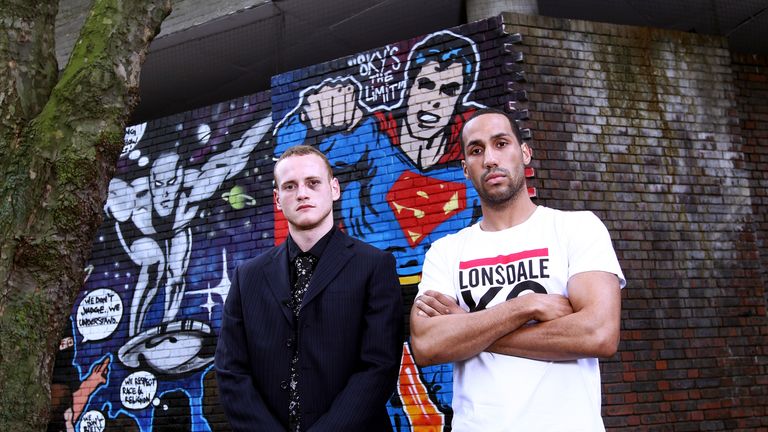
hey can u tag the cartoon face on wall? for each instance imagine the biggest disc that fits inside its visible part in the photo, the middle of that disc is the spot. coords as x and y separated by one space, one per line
165 180
431 99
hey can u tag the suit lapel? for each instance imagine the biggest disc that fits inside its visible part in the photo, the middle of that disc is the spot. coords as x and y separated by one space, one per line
276 275
335 256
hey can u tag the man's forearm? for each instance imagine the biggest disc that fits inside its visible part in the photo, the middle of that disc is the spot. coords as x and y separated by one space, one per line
591 331
567 338
458 336
442 331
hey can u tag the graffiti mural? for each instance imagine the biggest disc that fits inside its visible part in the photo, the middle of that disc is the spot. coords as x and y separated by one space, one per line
186 206
192 198
380 153
389 122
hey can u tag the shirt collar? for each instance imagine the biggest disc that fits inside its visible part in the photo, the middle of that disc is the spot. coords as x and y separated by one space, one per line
316 250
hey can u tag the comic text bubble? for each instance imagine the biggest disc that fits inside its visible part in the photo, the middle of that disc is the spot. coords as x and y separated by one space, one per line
138 390
92 421
132 136
99 314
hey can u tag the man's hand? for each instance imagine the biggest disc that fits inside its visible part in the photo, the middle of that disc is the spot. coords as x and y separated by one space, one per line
544 307
433 303
547 307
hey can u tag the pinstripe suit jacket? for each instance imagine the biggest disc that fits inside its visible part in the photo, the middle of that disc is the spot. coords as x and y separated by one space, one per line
349 336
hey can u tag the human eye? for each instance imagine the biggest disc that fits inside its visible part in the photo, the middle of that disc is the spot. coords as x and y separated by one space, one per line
314 182
289 186
172 181
158 183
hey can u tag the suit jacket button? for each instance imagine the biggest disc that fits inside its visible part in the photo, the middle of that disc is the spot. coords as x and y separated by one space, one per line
289 343
284 385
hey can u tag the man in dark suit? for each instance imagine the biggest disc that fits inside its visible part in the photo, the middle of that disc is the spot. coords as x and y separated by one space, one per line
310 339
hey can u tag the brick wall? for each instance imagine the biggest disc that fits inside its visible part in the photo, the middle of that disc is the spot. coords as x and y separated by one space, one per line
657 132
642 127
751 79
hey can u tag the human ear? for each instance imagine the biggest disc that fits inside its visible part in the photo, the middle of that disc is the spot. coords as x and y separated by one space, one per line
277 199
527 153
335 189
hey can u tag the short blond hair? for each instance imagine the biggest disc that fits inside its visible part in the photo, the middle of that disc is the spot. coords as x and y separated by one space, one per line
304 150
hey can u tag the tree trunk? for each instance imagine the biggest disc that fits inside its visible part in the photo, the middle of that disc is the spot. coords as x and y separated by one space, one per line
59 142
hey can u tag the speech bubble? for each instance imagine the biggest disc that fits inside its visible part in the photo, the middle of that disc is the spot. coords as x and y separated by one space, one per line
138 390
132 137
98 314
92 421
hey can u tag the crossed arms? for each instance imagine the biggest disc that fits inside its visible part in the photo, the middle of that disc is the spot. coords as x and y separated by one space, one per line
586 324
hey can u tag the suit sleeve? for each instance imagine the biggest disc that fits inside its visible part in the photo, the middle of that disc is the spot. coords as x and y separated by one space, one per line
369 389
240 399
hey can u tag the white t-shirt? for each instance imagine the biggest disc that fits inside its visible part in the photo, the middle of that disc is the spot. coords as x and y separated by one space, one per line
494 392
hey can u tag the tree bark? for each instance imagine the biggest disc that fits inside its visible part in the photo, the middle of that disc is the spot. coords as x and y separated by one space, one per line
59 142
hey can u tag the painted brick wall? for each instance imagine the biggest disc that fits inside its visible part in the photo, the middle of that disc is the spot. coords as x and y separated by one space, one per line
191 198
641 126
659 133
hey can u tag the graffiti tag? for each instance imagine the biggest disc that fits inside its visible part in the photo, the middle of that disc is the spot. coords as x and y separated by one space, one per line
377 68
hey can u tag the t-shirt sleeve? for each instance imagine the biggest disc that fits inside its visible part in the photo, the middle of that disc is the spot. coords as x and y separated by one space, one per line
590 247
437 274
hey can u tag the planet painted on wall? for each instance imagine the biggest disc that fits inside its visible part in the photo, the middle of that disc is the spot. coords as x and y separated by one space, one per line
237 198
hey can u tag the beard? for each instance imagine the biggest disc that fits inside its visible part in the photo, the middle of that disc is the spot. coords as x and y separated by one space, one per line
501 195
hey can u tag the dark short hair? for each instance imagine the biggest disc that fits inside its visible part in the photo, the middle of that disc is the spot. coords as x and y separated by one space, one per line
304 150
512 124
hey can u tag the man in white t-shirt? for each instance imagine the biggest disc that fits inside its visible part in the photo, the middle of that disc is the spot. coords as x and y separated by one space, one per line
523 302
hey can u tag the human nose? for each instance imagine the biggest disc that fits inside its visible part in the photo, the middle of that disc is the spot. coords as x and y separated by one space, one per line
490 159
301 192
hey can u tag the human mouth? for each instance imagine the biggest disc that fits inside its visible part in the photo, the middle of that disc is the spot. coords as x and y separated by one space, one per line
494 177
